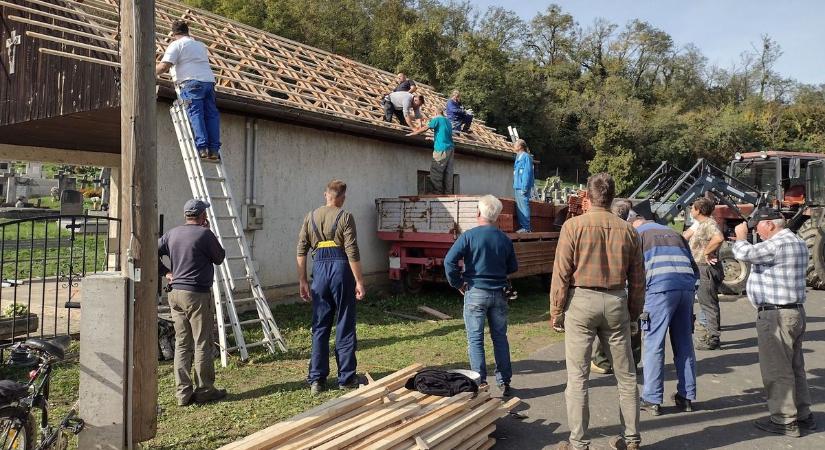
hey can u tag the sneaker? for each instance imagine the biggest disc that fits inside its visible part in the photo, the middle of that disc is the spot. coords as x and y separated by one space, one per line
808 423
483 386
566 445
505 389
316 387
214 156
599 369
188 401
618 443
353 383
709 344
203 154
682 403
522 230
766 424
652 408
210 396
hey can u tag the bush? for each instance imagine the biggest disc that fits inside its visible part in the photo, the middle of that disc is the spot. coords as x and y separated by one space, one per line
91 192
15 310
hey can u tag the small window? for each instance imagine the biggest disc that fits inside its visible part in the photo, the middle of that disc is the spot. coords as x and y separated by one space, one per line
422 176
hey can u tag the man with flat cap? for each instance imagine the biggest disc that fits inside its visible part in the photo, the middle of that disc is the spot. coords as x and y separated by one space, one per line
193 251
776 288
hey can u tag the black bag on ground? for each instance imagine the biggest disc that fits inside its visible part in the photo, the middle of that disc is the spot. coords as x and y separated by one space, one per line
11 391
441 383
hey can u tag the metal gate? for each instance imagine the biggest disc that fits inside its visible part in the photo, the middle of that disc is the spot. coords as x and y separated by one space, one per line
42 261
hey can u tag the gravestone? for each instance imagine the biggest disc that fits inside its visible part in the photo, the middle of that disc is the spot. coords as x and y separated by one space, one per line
71 202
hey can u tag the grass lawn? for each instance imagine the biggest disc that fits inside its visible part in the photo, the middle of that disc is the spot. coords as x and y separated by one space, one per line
269 388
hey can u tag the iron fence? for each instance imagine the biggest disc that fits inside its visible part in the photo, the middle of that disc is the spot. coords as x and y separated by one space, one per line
42 261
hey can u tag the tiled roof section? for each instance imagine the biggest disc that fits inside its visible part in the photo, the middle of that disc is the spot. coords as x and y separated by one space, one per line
247 62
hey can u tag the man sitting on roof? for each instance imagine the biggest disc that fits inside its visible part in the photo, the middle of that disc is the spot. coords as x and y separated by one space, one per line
404 84
406 107
459 117
188 60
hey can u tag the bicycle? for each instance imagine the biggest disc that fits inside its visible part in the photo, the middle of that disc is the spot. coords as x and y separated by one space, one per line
17 400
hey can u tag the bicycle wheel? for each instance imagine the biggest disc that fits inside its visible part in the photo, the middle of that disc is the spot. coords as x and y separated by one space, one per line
16 430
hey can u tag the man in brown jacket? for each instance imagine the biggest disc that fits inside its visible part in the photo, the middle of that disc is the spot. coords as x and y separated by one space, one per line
598 256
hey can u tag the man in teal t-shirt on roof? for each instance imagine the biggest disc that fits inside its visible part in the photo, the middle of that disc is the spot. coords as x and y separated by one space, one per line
440 180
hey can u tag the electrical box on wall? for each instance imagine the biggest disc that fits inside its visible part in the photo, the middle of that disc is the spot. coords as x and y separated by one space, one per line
253 217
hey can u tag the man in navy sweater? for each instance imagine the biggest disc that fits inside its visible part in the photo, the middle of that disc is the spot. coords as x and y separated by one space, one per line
670 276
193 251
489 257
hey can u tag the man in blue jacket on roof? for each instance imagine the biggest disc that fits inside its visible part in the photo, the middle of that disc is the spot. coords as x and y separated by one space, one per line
523 180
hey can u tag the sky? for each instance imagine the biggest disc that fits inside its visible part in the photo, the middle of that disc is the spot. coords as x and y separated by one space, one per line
722 29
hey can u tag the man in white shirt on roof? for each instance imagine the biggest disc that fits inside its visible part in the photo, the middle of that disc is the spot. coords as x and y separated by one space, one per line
188 60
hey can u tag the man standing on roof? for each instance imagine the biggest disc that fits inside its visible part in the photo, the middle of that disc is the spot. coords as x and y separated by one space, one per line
406 107
522 184
404 84
460 118
188 59
337 283
440 180
193 250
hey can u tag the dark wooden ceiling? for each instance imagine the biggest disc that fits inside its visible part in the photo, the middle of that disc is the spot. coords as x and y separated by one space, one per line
97 131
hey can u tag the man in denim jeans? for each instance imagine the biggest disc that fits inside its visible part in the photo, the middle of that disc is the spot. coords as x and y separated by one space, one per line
489 257
188 60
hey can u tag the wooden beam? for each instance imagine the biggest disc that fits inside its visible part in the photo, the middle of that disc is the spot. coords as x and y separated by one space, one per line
138 127
58 156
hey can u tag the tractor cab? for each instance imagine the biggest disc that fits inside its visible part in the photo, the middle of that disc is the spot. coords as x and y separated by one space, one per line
781 176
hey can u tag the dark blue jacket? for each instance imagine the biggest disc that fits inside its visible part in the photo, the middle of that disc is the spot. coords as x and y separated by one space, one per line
455 111
488 256
669 265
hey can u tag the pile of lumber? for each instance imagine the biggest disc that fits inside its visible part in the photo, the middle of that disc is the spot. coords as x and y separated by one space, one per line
386 415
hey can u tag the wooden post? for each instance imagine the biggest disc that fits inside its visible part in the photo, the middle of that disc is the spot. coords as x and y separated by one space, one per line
139 207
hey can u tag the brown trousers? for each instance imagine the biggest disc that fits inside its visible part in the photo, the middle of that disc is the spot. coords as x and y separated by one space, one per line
604 314
194 315
779 333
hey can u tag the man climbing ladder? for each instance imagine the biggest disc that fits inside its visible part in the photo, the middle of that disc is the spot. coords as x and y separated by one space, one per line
188 59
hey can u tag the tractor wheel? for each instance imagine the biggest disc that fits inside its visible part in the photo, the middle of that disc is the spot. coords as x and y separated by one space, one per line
736 272
815 275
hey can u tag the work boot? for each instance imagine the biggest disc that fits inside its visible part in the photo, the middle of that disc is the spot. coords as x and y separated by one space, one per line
682 403
210 396
185 402
710 343
318 386
618 443
353 383
809 423
566 445
599 369
505 390
214 156
766 424
652 408
203 154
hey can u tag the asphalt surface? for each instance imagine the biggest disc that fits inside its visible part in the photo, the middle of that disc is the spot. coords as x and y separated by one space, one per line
729 390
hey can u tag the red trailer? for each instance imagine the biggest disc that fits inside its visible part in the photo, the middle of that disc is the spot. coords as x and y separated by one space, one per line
422 229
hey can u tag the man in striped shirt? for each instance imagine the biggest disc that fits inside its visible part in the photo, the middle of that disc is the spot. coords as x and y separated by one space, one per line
598 255
776 288
670 275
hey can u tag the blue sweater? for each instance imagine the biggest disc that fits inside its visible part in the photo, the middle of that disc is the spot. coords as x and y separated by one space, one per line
523 172
488 256
455 111
669 265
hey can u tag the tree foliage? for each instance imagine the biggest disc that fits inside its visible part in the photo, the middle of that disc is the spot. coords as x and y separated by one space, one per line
587 97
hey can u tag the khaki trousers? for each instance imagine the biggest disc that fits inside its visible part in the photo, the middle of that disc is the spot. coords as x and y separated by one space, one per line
779 333
193 314
604 314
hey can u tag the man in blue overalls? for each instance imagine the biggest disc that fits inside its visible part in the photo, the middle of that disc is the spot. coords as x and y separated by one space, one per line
337 283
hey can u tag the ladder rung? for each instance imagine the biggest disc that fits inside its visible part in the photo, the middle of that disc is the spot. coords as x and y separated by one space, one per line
240 300
254 344
230 237
221 179
247 277
235 258
226 217
220 197
250 321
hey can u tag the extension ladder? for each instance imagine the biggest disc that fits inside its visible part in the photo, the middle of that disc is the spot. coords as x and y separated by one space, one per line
206 177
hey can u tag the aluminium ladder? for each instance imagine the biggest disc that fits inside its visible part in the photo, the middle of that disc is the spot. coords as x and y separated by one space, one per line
206 177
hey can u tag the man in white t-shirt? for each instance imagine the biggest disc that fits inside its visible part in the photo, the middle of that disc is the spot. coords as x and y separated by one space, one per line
188 61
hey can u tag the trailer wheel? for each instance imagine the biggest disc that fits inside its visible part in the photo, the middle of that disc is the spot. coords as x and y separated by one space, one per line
736 272
816 251
412 281
396 287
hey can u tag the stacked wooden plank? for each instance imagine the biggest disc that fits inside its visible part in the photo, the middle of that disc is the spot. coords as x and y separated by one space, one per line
385 415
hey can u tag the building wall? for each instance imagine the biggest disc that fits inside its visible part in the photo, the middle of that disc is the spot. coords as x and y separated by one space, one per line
293 165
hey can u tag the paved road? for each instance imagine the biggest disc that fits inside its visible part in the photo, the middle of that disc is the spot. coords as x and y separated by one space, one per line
730 395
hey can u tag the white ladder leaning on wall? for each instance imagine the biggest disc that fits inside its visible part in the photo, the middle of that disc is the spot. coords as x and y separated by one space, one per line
236 274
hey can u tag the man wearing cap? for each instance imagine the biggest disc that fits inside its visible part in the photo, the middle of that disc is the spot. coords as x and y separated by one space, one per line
193 250
670 280
337 282
776 288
